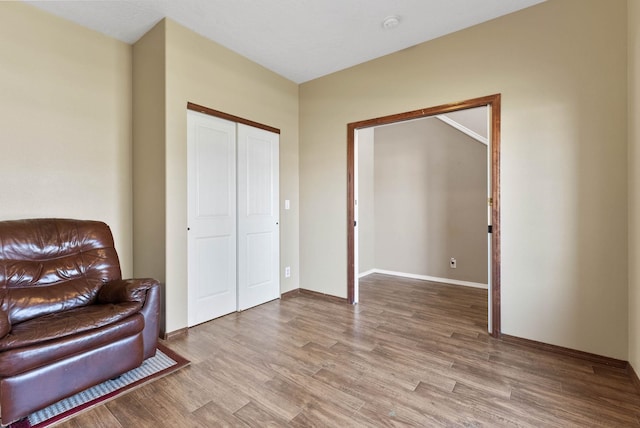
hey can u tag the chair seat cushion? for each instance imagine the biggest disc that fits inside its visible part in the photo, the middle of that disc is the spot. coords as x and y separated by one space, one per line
66 323
20 359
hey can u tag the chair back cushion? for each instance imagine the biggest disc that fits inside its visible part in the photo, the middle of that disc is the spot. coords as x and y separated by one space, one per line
51 265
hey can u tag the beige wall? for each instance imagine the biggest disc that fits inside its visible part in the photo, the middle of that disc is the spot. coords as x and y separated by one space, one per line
366 201
65 123
149 139
430 201
561 69
634 184
205 73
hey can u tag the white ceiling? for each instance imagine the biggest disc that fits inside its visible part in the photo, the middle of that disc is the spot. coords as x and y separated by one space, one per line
298 39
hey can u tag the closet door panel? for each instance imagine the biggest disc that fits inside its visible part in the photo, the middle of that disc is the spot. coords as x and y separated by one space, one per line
258 216
211 214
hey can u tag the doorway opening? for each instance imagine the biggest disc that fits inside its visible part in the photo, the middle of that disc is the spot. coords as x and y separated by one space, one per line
492 102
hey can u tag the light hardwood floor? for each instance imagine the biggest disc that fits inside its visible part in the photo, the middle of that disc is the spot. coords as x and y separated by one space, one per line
412 353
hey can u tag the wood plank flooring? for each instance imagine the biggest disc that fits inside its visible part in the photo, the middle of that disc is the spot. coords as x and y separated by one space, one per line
412 353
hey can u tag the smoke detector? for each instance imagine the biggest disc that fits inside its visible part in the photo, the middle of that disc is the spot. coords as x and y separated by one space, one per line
391 22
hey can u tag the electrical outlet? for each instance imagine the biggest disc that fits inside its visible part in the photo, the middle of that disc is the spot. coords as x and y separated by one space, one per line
287 272
453 263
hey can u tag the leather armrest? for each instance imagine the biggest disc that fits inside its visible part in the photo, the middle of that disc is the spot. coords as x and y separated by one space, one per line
126 290
5 324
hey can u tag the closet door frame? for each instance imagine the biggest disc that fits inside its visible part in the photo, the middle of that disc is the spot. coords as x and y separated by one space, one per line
230 117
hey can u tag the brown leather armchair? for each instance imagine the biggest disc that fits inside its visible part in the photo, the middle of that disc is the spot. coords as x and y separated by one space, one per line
68 320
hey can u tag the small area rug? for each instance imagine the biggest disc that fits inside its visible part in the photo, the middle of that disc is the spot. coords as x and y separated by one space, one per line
164 362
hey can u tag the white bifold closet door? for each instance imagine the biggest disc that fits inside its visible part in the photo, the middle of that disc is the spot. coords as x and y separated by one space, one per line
233 215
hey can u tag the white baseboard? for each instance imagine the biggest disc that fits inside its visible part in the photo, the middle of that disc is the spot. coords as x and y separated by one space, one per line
369 272
427 278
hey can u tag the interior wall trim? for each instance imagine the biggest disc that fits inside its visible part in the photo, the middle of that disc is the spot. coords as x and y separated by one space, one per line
634 377
432 278
567 352
175 333
479 138
313 294
230 117
369 272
